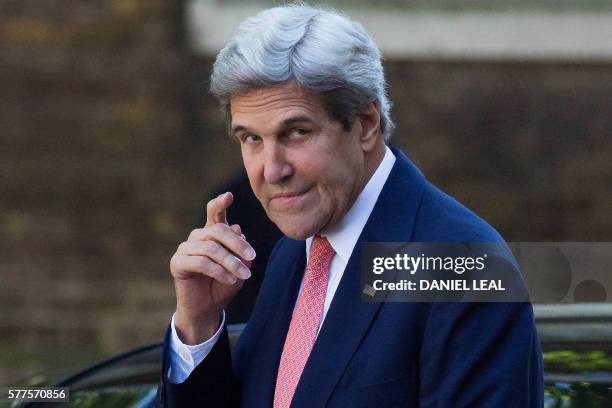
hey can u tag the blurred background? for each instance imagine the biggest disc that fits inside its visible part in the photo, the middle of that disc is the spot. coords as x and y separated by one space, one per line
110 144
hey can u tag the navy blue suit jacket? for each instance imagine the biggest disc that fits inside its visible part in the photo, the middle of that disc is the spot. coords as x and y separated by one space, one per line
447 354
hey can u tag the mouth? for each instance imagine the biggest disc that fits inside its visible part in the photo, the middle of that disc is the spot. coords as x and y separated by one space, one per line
289 199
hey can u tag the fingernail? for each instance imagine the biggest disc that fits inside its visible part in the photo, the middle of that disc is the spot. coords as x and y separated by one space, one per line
232 279
246 274
249 254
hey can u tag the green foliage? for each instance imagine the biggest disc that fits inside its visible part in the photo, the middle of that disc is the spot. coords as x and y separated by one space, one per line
577 361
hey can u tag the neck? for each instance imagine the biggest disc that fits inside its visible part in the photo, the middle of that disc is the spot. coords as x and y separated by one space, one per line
373 160
371 163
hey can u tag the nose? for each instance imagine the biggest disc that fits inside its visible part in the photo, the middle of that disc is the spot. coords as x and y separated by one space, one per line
276 166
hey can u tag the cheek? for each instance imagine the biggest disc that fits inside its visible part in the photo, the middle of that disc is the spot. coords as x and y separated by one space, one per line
333 184
252 170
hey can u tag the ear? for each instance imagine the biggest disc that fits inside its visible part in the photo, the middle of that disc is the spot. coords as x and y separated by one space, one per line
371 132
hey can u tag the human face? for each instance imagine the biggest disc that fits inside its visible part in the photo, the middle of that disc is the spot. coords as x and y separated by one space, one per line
304 168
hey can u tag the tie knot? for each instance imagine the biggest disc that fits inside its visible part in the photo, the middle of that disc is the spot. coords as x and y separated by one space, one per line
321 250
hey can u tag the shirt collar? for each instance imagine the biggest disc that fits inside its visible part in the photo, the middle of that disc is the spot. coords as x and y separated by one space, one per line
344 235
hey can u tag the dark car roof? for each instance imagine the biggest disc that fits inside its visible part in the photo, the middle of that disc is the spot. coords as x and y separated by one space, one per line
576 339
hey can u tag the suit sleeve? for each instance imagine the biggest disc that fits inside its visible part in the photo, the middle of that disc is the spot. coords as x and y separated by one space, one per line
211 383
480 355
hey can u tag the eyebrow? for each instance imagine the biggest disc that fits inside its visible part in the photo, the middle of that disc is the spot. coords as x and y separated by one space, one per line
291 121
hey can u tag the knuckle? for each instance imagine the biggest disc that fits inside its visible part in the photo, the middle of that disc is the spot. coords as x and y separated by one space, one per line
207 266
194 233
230 261
204 263
212 248
216 270
208 233
218 228
211 269
222 227
175 264
212 230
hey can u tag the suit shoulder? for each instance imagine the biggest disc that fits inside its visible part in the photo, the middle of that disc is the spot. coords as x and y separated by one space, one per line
441 218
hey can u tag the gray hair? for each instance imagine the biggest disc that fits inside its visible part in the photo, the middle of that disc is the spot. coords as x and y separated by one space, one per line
320 48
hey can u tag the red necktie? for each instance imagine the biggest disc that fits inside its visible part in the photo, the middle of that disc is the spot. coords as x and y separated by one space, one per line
304 322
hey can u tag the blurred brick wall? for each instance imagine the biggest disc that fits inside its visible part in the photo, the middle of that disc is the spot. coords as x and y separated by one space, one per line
528 146
109 145
95 190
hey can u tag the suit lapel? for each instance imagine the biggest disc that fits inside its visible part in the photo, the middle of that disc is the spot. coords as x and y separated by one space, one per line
348 318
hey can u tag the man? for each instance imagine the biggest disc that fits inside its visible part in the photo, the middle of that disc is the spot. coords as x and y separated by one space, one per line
304 93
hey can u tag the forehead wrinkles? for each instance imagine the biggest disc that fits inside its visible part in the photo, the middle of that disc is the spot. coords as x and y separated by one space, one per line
275 100
263 105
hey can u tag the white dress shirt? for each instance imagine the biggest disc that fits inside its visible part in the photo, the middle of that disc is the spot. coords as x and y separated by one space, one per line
343 237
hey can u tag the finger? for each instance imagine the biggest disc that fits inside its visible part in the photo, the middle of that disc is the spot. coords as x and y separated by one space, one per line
226 237
236 228
216 209
206 266
217 253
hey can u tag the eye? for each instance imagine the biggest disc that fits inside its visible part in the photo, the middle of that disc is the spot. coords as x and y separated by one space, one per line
249 138
299 132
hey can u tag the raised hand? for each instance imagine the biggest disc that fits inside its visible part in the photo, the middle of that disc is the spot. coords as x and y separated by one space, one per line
208 270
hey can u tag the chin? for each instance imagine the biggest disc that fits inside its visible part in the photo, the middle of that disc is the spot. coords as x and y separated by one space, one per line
293 228
295 233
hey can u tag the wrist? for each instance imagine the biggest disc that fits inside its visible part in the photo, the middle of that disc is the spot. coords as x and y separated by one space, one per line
196 330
